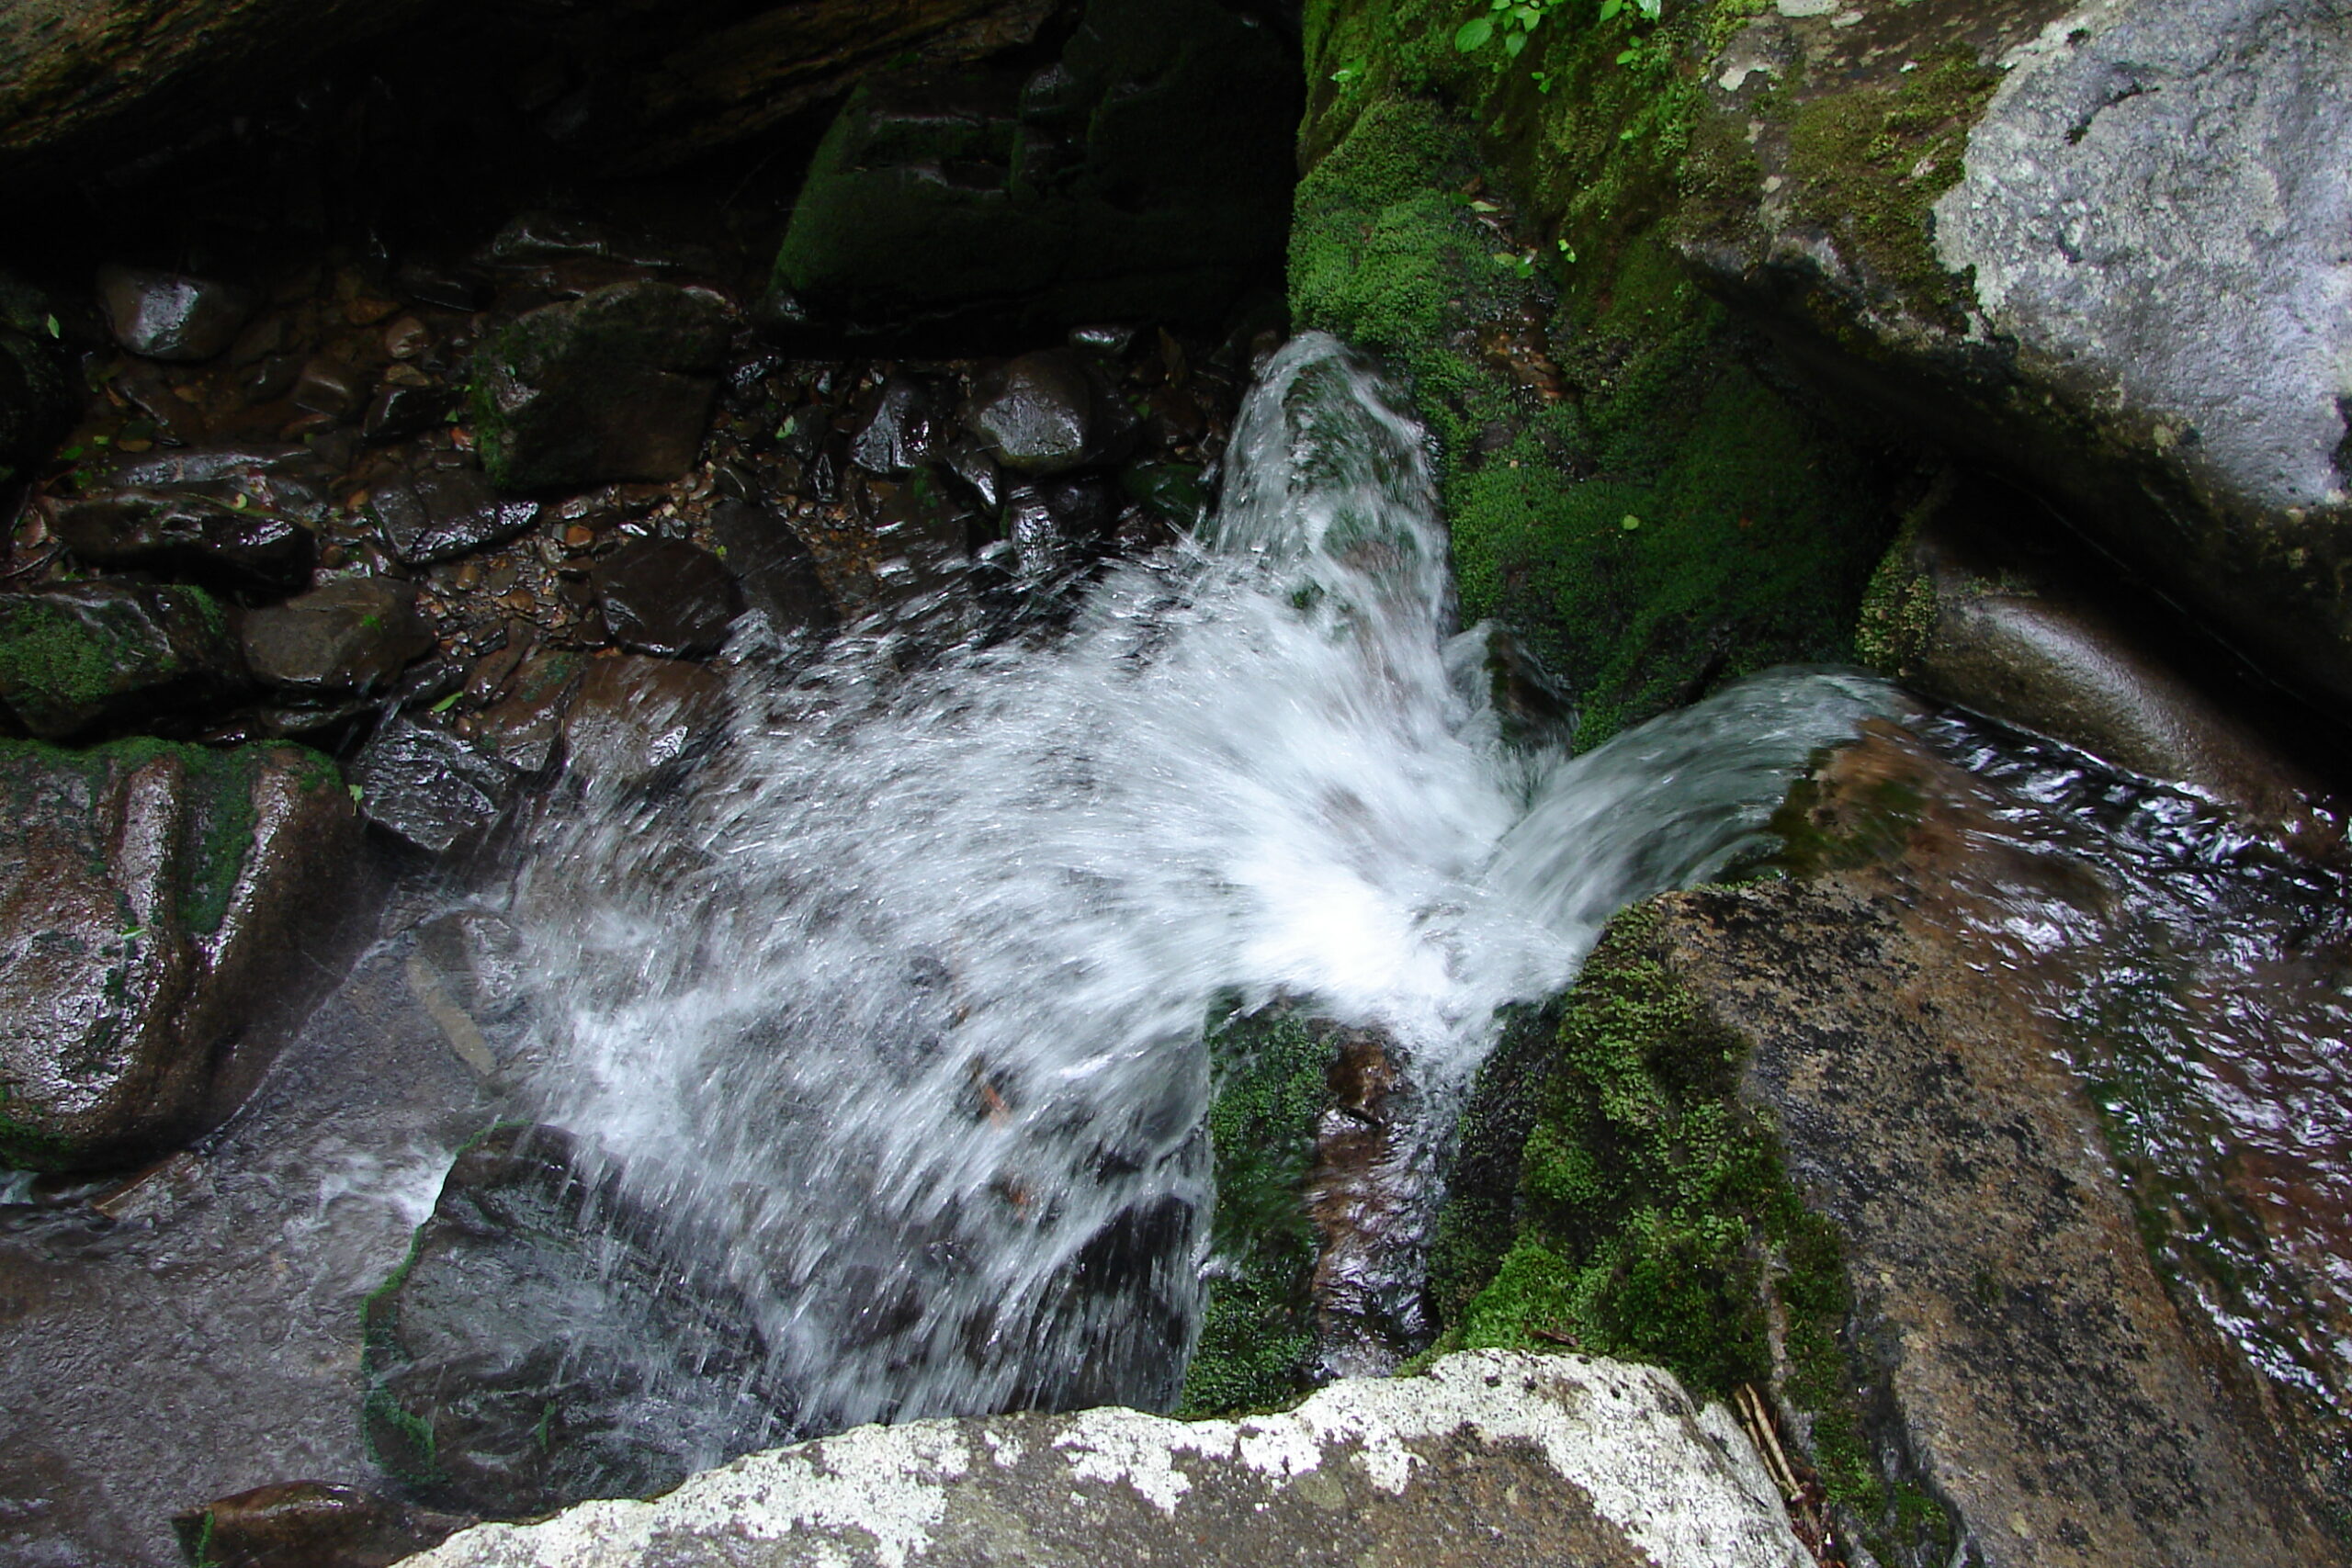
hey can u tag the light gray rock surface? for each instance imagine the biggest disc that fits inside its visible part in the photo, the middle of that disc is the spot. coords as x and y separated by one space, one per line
1492 1458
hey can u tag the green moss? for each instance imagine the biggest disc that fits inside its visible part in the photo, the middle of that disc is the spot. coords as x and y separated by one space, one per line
64 665
1655 1221
1899 609
1257 1326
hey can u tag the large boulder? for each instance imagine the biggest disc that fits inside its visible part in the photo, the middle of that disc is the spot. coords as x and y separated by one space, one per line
160 906
1932 1139
1495 1458
80 656
1145 173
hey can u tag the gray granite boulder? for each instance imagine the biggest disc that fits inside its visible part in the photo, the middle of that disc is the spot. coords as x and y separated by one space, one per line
1491 1458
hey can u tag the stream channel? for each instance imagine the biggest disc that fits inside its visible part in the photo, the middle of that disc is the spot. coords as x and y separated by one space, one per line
884 1009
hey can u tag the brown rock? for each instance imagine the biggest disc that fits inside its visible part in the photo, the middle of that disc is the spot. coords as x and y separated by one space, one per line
634 717
310 1524
350 635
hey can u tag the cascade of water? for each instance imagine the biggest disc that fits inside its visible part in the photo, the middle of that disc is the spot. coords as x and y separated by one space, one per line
900 993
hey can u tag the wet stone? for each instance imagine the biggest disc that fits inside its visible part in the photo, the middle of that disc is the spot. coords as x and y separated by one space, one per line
400 410
310 1524
87 656
523 727
187 536
900 433
666 596
427 786
517 1360
778 574
447 509
635 720
328 386
349 636
617 385
1043 414
170 316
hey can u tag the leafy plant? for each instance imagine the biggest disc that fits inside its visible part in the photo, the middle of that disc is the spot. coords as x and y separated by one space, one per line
1514 21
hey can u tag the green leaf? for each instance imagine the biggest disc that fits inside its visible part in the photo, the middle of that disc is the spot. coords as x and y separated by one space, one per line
54 329
1631 523
444 705
1608 9
1513 43
1473 34
1651 8
1630 56
355 790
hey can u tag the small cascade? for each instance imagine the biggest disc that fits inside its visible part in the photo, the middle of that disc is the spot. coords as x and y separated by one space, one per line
893 1004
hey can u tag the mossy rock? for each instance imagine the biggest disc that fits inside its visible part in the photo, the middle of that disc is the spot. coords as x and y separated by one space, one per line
88 657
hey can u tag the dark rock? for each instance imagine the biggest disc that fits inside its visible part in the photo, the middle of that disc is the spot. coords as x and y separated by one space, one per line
1145 175
666 596
977 471
897 436
1966 610
1110 342
400 410
328 386
427 786
778 574
294 482
518 1358
310 1524
160 908
447 509
87 656
1049 413
154 393
37 401
618 385
166 315
523 727
186 535
635 718
923 532
452 288
1171 491
352 634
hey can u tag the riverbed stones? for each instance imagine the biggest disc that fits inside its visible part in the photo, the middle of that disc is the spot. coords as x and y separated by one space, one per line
171 316
160 907
84 657
352 634
1491 1458
617 385
517 1359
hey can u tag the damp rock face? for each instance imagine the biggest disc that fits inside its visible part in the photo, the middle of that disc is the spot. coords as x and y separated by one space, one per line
1144 175
617 385
516 1360
350 635
1491 1457
196 538
92 656
159 905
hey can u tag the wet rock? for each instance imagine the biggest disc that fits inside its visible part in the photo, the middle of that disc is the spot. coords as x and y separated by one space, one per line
778 574
328 386
635 718
310 1524
897 436
617 385
1493 1458
427 786
523 727
666 596
444 509
1142 174
160 908
352 634
480 956
37 401
1966 610
170 316
186 535
1171 491
1046 414
89 656
400 410
924 533
293 481
518 1360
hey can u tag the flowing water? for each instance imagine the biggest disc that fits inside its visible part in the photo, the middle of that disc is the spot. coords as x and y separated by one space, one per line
896 1000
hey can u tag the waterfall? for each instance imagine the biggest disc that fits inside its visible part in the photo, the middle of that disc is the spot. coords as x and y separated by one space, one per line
895 1000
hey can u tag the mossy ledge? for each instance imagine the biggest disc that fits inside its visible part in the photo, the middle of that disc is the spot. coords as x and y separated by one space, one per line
1650 1217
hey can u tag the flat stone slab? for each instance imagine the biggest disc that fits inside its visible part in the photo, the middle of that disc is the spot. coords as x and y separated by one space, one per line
1492 1458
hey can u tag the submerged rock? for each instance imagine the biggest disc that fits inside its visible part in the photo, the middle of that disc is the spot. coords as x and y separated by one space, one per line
310 1524
775 567
617 385
159 907
90 656
1503 1460
517 1360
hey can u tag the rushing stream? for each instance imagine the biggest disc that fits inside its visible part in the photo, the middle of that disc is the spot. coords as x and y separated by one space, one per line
896 1003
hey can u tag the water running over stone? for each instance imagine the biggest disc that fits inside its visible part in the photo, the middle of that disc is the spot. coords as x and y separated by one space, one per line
895 1000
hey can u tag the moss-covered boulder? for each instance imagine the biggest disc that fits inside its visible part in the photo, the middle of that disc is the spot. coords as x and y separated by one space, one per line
1630 482
161 909
1144 175
86 657
615 385
2099 248
1818 1136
